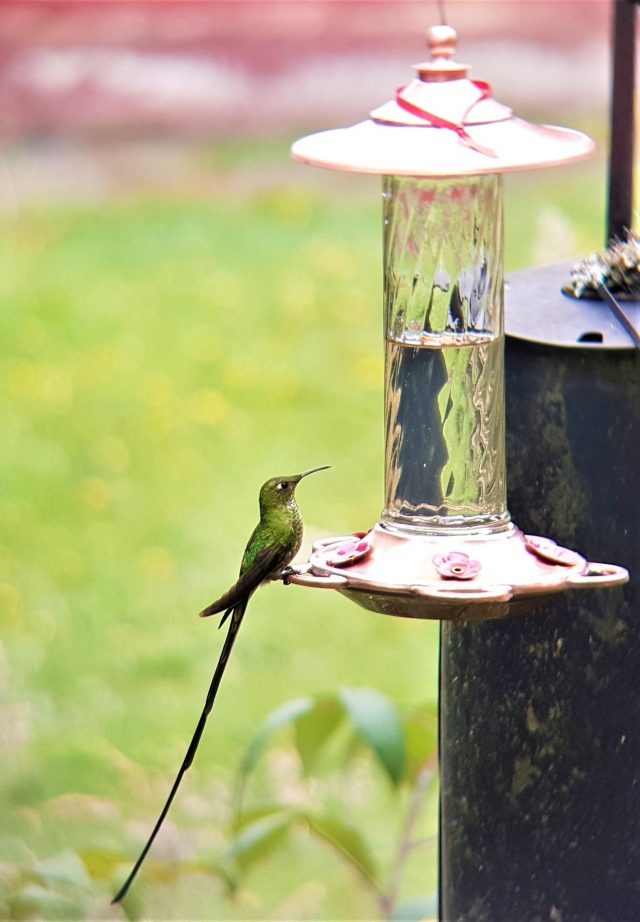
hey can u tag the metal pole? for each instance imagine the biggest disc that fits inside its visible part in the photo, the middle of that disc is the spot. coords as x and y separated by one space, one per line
621 146
540 716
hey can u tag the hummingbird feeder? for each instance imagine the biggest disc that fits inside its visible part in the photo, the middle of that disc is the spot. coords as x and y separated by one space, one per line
445 546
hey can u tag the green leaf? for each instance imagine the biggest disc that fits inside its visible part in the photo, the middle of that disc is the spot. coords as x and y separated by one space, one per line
376 720
101 862
313 729
417 909
247 817
64 868
347 840
421 739
35 901
287 714
260 838
221 869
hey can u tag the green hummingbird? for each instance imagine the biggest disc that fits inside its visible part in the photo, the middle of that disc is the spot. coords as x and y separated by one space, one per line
272 546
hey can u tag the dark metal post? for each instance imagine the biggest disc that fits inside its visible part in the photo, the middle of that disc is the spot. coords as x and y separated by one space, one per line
540 723
621 144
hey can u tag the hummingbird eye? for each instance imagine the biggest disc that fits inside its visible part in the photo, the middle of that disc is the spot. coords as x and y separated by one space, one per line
283 485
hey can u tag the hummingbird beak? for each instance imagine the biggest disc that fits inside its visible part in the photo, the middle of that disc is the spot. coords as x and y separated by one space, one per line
313 471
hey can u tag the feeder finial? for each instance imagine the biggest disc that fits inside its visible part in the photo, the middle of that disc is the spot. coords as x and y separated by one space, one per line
442 41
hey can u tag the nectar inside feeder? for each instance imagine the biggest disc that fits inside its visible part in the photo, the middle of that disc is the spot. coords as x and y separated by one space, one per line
445 546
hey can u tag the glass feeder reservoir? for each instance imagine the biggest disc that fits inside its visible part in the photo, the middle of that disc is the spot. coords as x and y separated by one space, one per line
444 382
445 546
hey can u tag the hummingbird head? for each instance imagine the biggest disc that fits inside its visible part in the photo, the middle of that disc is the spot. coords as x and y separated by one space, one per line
279 491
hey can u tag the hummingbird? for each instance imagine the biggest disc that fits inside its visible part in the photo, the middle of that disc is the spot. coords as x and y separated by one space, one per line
272 546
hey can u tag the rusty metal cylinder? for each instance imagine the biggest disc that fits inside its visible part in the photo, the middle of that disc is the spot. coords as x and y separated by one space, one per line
540 716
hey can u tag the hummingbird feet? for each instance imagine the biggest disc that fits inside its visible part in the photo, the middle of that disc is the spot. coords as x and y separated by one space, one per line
292 571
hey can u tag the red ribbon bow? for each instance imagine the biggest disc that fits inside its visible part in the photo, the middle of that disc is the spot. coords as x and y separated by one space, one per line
438 122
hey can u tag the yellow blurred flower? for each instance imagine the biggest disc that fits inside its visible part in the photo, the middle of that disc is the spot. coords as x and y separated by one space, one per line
156 563
368 371
95 494
11 606
111 454
207 407
34 381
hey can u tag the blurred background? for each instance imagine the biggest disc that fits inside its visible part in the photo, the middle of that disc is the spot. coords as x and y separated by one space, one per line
186 312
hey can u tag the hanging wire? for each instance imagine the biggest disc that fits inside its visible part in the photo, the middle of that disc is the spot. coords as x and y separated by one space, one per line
442 12
614 305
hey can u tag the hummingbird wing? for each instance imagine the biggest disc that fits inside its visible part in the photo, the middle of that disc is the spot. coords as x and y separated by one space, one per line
265 562
238 614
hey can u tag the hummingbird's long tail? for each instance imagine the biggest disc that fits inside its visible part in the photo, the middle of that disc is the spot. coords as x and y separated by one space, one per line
237 614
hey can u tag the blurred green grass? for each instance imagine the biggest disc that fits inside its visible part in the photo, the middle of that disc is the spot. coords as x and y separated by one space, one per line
161 357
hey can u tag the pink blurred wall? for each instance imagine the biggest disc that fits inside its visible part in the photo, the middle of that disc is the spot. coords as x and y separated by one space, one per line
209 68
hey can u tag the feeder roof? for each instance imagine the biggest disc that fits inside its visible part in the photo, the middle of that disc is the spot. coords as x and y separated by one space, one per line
442 124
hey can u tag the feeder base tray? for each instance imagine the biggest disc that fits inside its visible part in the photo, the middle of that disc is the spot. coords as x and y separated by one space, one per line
449 577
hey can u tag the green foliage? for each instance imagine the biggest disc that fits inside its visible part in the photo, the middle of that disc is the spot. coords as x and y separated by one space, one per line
375 722
288 713
416 910
348 841
256 838
56 888
373 717
315 728
259 832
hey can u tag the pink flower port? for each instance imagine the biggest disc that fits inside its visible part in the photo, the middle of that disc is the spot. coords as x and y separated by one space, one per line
456 565
546 549
349 552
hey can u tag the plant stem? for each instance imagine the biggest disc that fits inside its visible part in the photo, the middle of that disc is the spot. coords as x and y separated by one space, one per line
406 842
